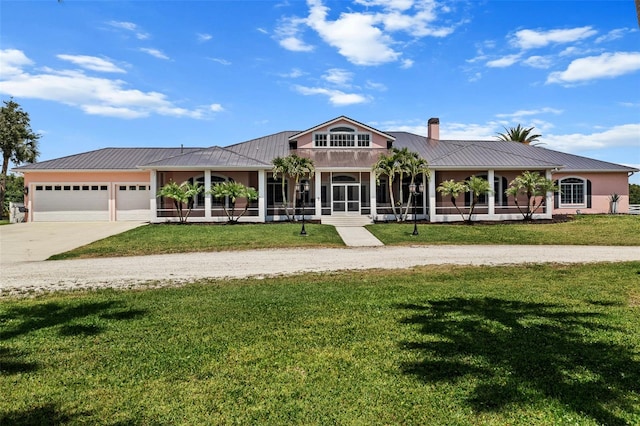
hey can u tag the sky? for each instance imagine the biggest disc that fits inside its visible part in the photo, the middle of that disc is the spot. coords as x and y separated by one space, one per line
96 74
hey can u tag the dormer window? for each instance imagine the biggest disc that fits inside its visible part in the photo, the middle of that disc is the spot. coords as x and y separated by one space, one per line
342 137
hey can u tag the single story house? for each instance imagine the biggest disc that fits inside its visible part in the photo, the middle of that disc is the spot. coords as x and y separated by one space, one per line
114 184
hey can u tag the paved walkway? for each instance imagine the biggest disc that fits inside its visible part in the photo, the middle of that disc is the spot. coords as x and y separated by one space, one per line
357 236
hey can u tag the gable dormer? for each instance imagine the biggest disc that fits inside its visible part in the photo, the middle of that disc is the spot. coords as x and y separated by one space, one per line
342 133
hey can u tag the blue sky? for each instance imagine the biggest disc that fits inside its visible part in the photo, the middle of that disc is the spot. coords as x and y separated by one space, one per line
96 74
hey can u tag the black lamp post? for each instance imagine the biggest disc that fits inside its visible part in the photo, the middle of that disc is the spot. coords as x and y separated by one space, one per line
304 188
415 190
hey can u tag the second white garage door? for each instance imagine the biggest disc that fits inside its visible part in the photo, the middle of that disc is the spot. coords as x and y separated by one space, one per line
132 202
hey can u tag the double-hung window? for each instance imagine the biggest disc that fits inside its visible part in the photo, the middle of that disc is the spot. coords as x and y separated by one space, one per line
342 137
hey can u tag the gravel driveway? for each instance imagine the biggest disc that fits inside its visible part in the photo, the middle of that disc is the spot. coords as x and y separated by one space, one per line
164 270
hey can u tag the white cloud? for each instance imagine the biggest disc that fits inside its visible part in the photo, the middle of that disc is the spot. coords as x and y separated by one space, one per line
294 73
505 61
295 45
607 65
376 86
93 95
202 37
406 64
131 27
530 39
617 136
528 112
12 61
337 76
336 97
472 131
154 52
365 37
220 61
614 35
92 63
542 62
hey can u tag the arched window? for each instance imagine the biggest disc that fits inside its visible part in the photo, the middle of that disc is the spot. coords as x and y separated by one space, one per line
574 192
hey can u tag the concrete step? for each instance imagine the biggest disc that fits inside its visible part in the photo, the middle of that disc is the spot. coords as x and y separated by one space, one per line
346 221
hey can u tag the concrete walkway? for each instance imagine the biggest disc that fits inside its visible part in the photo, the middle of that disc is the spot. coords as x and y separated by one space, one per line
357 236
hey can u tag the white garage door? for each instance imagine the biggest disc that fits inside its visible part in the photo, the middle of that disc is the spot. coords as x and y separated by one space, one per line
132 202
70 202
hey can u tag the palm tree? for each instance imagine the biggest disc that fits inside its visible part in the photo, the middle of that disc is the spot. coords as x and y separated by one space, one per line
387 166
477 186
233 191
280 168
519 134
533 186
181 195
414 166
453 189
294 167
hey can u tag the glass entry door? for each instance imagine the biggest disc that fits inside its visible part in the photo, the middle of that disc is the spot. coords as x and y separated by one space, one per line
346 198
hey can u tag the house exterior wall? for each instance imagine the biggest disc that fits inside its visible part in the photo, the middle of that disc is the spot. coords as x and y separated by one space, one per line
602 186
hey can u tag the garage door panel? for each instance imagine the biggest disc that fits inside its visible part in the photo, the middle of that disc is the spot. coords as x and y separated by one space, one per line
132 202
68 202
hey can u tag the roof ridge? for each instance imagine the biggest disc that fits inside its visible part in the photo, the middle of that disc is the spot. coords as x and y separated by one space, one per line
243 155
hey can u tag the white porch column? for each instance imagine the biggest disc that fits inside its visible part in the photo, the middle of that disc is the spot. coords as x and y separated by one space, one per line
548 202
432 197
492 195
262 194
372 195
153 201
317 190
207 197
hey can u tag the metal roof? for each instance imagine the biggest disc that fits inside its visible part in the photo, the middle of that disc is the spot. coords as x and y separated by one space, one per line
259 153
107 159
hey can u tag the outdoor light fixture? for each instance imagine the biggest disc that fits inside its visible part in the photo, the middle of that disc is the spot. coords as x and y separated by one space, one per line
415 190
304 188
26 190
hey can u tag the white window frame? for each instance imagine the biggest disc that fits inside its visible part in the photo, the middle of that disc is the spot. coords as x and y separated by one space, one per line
342 137
573 184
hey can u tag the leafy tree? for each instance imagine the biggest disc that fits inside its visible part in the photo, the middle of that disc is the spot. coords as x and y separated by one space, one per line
519 134
634 193
14 192
476 185
18 143
233 191
453 189
293 167
534 187
182 195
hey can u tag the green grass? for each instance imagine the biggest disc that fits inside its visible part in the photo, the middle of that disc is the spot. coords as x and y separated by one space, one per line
160 239
4 222
607 230
521 345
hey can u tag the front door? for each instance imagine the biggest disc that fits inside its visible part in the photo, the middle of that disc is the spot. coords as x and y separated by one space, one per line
346 198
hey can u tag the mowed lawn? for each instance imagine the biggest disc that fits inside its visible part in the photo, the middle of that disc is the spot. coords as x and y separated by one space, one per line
517 345
160 239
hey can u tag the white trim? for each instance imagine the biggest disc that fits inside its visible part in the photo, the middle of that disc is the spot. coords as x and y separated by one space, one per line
562 205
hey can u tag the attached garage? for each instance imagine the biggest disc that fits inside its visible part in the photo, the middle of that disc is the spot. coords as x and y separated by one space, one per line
65 202
132 201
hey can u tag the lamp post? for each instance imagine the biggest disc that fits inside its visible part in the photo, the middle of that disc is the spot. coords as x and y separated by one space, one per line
415 190
304 188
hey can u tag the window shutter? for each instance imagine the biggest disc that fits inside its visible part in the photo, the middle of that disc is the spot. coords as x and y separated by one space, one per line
505 184
556 196
588 194
467 199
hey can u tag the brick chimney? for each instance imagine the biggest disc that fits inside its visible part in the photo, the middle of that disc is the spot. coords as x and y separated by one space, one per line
433 128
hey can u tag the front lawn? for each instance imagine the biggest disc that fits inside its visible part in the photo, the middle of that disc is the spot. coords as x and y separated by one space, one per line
605 230
518 345
161 239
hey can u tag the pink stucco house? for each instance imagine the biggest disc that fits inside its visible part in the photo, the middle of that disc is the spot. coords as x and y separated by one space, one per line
114 184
